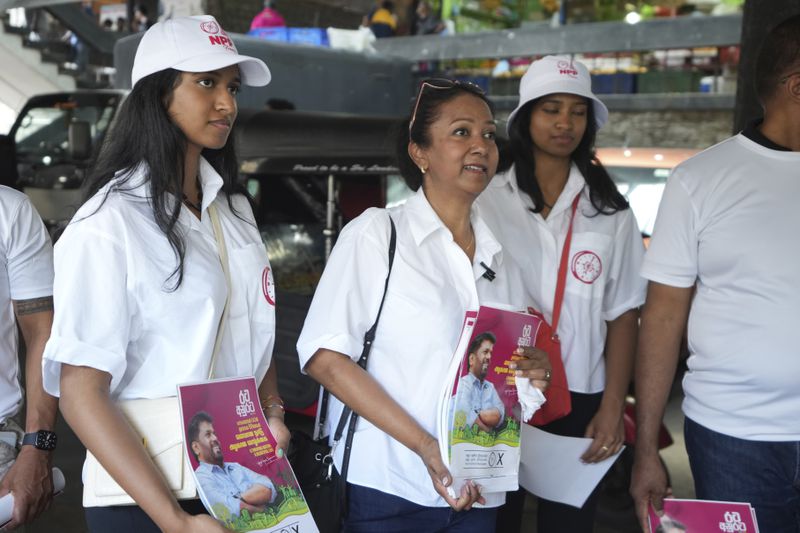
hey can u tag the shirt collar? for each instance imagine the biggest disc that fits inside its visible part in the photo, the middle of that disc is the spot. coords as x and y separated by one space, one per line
752 132
424 222
573 187
136 182
209 467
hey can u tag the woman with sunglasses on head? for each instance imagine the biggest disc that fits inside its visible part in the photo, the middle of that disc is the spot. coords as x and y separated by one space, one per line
141 295
530 208
397 480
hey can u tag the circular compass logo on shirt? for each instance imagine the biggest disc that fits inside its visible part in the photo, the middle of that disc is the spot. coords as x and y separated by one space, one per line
586 266
268 285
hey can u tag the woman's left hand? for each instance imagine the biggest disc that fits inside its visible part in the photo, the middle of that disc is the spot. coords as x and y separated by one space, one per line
607 432
534 365
281 434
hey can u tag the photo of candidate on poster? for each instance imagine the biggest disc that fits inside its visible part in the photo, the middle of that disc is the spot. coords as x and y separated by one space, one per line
240 479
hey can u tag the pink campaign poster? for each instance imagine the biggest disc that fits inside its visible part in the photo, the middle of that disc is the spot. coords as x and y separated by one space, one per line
703 516
485 429
240 479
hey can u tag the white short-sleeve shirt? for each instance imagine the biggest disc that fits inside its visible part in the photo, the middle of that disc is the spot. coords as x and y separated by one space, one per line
432 286
114 309
603 278
729 222
26 272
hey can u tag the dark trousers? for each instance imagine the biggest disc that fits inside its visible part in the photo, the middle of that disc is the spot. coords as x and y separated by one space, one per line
553 517
373 511
130 518
765 474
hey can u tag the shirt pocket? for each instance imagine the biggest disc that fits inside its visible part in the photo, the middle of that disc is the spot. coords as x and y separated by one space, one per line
589 260
252 284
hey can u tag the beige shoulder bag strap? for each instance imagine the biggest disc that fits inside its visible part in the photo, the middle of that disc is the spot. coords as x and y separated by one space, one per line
223 258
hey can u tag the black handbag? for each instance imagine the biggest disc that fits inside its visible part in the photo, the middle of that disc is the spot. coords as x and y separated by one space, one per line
312 461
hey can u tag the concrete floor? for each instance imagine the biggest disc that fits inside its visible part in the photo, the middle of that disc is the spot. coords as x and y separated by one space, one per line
66 513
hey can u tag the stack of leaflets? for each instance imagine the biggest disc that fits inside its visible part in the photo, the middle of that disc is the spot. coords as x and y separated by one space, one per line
682 516
240 479
478 412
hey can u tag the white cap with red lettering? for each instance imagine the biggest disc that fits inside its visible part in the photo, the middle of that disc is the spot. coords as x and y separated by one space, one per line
193 44
558 74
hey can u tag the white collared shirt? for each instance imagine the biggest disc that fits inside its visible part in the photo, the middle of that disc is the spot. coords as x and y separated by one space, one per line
432 286
603 278
26 272
113 307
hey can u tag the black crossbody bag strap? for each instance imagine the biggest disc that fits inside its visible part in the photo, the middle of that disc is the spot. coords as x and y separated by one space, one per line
369 337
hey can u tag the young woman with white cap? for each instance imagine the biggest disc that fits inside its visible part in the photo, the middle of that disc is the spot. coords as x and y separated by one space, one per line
140 286
396 478
529 207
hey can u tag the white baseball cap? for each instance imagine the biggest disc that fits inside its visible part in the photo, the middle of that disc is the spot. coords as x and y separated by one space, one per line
558 74
193 44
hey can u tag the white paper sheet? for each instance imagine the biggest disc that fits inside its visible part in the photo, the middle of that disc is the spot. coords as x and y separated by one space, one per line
551 467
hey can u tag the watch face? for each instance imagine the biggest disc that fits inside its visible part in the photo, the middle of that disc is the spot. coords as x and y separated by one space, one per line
46 440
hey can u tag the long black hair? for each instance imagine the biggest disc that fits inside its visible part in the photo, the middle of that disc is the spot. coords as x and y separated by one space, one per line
143 133
433 93
603 193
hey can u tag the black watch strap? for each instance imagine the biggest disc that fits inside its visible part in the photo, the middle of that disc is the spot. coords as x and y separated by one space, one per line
41 440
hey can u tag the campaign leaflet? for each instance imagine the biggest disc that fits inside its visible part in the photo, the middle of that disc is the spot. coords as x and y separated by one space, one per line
480 417
239 477
703 516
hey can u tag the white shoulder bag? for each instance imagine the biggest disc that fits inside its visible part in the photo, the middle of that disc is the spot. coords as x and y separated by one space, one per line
157 421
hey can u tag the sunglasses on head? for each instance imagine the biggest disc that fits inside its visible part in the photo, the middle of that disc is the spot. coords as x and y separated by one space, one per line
442 83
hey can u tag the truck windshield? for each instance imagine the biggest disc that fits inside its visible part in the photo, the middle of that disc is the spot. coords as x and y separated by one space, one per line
41 132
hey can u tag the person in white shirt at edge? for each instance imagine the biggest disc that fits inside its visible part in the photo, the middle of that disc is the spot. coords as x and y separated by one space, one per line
724 255
552 133
397 480
26 289
139 286
476 397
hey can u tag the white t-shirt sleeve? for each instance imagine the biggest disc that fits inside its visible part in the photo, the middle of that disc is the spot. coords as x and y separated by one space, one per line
92 324
625 288
671 258
29 256
349 292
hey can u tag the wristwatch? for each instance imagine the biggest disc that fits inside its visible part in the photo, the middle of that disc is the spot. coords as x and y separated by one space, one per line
41 440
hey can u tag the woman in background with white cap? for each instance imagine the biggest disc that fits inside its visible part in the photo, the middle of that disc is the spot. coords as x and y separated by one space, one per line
529 207
140 288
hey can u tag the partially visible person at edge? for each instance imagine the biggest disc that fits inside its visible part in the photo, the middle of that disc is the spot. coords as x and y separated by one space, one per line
529 207
139 287
382 20
397 480
267 17
724 254
26 301
427 22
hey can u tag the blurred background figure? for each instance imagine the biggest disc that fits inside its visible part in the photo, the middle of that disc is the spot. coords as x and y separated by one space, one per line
140 20
427 22
382 20
267 17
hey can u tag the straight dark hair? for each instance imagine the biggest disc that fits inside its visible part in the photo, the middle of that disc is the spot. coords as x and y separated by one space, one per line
603 193
427 105
144 134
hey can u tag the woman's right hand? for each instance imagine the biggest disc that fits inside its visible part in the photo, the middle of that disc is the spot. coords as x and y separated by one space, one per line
201 523
441 478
